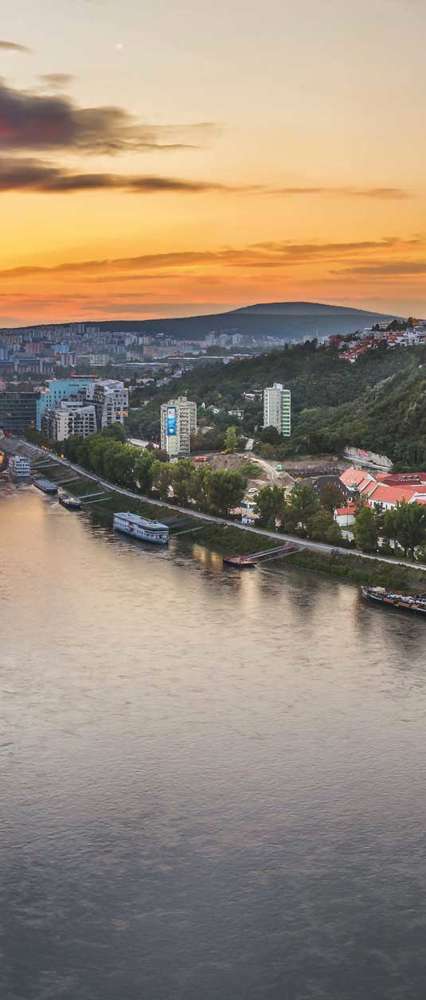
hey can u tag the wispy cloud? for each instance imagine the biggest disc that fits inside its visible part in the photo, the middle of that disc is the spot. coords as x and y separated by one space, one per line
378 193
13 47
56 81
19 173
285 255
31 121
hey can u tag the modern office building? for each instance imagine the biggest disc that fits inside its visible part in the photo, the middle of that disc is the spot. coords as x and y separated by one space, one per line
178 422
17 411
277 409
58 389
70 418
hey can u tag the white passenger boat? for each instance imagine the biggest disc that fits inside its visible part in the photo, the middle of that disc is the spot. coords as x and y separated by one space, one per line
141 528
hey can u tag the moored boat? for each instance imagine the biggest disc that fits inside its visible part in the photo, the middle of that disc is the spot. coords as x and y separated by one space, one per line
46 486
69 502
141 528
415 603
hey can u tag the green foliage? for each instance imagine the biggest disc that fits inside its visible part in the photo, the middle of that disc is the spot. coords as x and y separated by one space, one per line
331 496
303 505
226 490
231 439
321 527
366 530
406 525
270 506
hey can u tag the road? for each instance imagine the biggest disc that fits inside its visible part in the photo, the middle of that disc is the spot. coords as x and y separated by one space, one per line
277 536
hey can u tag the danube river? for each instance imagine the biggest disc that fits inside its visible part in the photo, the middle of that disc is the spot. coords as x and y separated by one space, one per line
212 784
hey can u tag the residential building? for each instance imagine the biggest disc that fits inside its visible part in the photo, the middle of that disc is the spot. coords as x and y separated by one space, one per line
277 409
385 490
178 422
111 400
58 389
71 418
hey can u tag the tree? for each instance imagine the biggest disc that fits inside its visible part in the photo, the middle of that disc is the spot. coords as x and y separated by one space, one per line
270 505
269 435
144 471
323 528
225 490
366 530
231 439
331 496
304 503
181 479
161 478
406 525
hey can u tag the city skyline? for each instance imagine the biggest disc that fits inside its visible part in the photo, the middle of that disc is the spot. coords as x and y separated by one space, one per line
170 161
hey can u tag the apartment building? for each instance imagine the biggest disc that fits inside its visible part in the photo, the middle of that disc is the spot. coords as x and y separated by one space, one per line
178 422
277 409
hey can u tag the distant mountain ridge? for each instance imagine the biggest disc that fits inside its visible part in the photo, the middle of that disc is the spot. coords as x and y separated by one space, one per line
285 320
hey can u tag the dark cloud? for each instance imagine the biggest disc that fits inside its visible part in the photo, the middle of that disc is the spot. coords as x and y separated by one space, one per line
55 122
56 81
13 47
25 174
31 174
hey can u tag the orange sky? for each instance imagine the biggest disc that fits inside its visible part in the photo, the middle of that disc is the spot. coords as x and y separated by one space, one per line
176 159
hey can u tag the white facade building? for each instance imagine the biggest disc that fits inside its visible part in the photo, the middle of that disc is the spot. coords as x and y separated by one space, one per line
71 418
178 422
111 400
277 409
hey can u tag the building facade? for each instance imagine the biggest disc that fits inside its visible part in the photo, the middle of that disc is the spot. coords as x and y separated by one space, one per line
277 409
58 389
17 411
111 401
178 422
71 418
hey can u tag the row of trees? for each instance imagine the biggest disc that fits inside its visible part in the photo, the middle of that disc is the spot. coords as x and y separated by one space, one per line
303 512
403 527
309 514
148 471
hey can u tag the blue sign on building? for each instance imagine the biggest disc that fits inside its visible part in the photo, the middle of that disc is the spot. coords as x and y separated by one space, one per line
171 421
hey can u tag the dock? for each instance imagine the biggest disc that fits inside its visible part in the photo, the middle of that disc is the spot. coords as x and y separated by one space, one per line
250 561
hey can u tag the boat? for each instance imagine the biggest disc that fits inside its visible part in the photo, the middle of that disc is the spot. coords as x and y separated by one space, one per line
69 502
46 486
19 467
415 603
141 528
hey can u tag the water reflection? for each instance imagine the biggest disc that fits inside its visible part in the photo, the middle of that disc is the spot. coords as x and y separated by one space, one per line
212 783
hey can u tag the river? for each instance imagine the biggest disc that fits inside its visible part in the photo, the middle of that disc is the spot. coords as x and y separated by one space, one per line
212 783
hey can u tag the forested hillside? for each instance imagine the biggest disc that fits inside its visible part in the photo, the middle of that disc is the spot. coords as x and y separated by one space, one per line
377 403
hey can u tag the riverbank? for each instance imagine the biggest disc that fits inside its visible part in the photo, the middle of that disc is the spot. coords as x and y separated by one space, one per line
212 531
357 570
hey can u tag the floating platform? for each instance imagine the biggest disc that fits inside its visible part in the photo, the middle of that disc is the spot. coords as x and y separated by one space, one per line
250 561
46 486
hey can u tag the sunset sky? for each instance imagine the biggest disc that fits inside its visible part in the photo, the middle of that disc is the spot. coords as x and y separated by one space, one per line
162 159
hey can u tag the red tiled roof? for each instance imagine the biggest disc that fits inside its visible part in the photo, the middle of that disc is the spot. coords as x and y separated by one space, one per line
352 476
392 494
346 511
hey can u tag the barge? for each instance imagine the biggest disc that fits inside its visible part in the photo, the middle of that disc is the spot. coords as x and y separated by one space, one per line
415 603
46 486
141 528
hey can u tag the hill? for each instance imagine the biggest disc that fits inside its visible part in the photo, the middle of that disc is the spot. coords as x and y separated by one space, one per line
377 403
286 320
